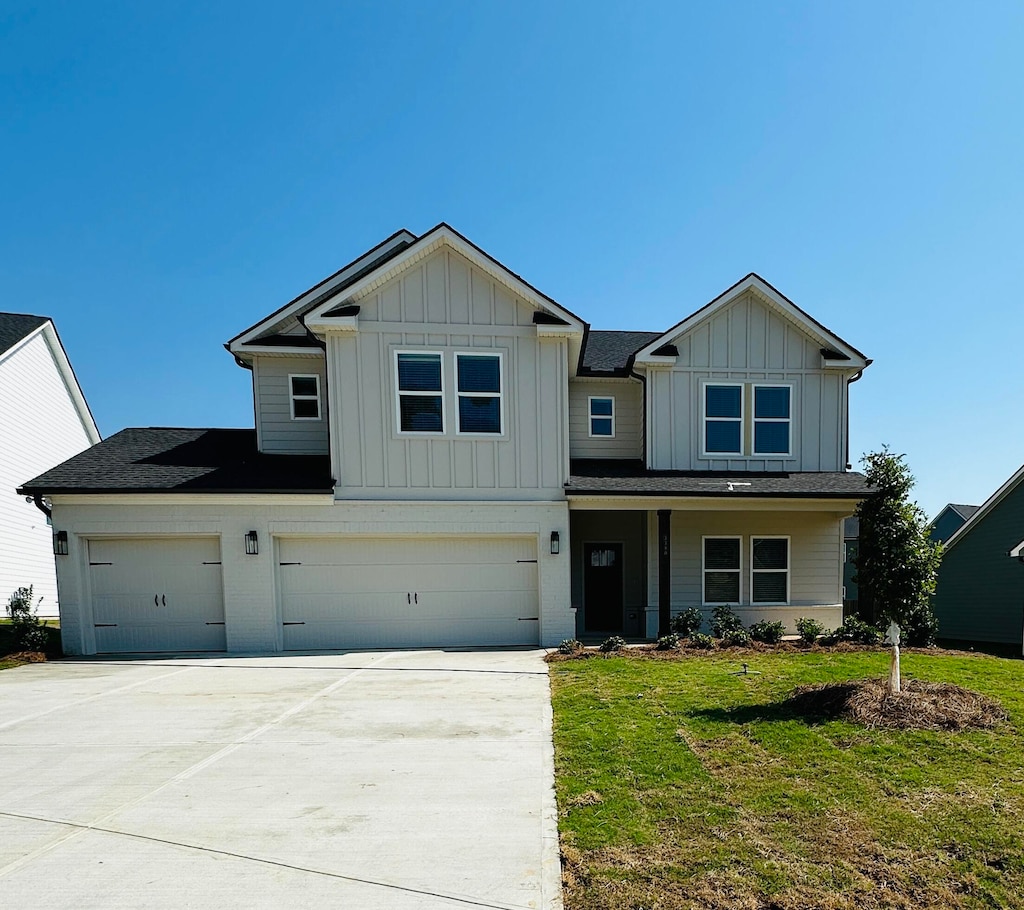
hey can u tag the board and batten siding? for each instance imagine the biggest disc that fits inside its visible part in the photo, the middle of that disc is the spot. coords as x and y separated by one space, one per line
444 304
41 428
747 342
628 439
816 561
979 595
278 433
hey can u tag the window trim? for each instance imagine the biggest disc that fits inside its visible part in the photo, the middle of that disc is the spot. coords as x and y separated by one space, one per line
788 570
704 570
500 394
399 392
754 420
591 416
292 397
742 386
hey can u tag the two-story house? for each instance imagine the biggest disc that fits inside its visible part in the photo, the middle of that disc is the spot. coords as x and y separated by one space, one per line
445 456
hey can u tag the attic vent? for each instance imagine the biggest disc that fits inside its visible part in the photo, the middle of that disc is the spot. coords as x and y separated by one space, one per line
829 354
542 318
349 309
666 350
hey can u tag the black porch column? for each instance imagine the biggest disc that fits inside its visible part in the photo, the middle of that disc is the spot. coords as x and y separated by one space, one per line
664 570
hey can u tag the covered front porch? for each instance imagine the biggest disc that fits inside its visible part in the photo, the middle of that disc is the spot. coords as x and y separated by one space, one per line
638 560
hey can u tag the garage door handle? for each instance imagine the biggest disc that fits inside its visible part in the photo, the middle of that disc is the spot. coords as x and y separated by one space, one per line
156 600
408 598
163 600
416 598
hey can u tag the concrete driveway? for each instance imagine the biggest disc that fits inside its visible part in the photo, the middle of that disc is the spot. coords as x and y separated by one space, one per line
407 779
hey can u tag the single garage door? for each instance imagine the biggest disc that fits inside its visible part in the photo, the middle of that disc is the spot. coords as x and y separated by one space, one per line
407 593
157 594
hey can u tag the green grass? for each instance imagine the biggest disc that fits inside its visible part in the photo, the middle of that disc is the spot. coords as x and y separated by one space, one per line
682 785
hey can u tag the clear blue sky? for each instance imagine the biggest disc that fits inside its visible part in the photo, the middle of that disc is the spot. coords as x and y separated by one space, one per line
171 172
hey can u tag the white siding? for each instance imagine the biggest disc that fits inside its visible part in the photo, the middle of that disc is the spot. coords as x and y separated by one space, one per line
278 433
39 428
628 439
748 342
444 304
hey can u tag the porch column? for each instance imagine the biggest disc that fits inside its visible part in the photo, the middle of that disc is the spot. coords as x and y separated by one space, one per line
664 570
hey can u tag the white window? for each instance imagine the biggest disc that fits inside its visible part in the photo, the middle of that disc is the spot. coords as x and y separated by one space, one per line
769 570
772 419
602 416
419 384
304 392
721 564
478 379
723 418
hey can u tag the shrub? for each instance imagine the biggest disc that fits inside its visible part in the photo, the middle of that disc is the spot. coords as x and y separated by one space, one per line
570 646
768 632
701 641
29 630
738 637
723 621
615 643
687 622
668 642
855 630
809 629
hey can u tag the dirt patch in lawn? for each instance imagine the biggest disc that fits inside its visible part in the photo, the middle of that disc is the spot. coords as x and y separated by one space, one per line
920 706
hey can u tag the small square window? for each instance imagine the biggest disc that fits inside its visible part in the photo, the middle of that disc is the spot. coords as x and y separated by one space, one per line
305 397
602 417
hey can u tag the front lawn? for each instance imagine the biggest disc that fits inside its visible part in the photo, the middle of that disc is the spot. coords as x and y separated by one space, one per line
681 784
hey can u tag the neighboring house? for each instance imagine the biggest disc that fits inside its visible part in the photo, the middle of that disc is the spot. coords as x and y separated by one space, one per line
44 420
851 546
443 455
949 521
979 596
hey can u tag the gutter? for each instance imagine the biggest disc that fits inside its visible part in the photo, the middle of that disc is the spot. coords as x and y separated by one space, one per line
37 499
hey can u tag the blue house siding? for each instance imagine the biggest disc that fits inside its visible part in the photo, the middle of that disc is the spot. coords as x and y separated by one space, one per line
946 525
980 591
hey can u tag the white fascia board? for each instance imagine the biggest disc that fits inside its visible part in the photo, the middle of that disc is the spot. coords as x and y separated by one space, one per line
1017 550
597 502
324 324
774 299
987 506
318 290
67 373
278 350
192 499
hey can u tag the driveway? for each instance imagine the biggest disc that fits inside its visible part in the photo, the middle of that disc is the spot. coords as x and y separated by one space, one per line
407 779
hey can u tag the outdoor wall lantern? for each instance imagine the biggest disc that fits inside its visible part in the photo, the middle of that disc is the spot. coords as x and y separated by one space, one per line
554 543
60 543
252 546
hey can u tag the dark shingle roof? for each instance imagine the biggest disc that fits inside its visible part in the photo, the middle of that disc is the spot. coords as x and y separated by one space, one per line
630 478
15 326
612 352
184 460
965 511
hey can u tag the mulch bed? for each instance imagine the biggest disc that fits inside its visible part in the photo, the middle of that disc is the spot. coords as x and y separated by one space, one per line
26 657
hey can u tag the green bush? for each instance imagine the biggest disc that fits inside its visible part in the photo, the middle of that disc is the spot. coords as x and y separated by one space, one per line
855 630
768 632
809 629
570 646
615 643
687 622
724 621
701 641
668 642
738 637
28 629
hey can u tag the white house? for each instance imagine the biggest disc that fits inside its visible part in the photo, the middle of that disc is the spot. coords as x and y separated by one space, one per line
443 455
44 420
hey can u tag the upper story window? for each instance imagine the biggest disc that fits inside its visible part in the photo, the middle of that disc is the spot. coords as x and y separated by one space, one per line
769 570
602 416
478 377
420 385
771 419
721 570
723 419
304 392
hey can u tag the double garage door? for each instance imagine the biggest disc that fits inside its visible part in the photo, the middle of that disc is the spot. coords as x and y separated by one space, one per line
166 594
408 592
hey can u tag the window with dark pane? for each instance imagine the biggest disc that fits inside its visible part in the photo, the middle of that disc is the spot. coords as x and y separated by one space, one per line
769 570
420 403
721 570
478 377
602 416
305 397
771 420
723 419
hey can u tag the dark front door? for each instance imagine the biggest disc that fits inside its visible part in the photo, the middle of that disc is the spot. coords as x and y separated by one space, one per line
602 587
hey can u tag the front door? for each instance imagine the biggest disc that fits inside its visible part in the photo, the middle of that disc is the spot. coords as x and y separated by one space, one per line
602 587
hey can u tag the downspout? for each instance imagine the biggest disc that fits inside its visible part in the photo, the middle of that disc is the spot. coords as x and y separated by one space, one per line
643 416
42 506
850 382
